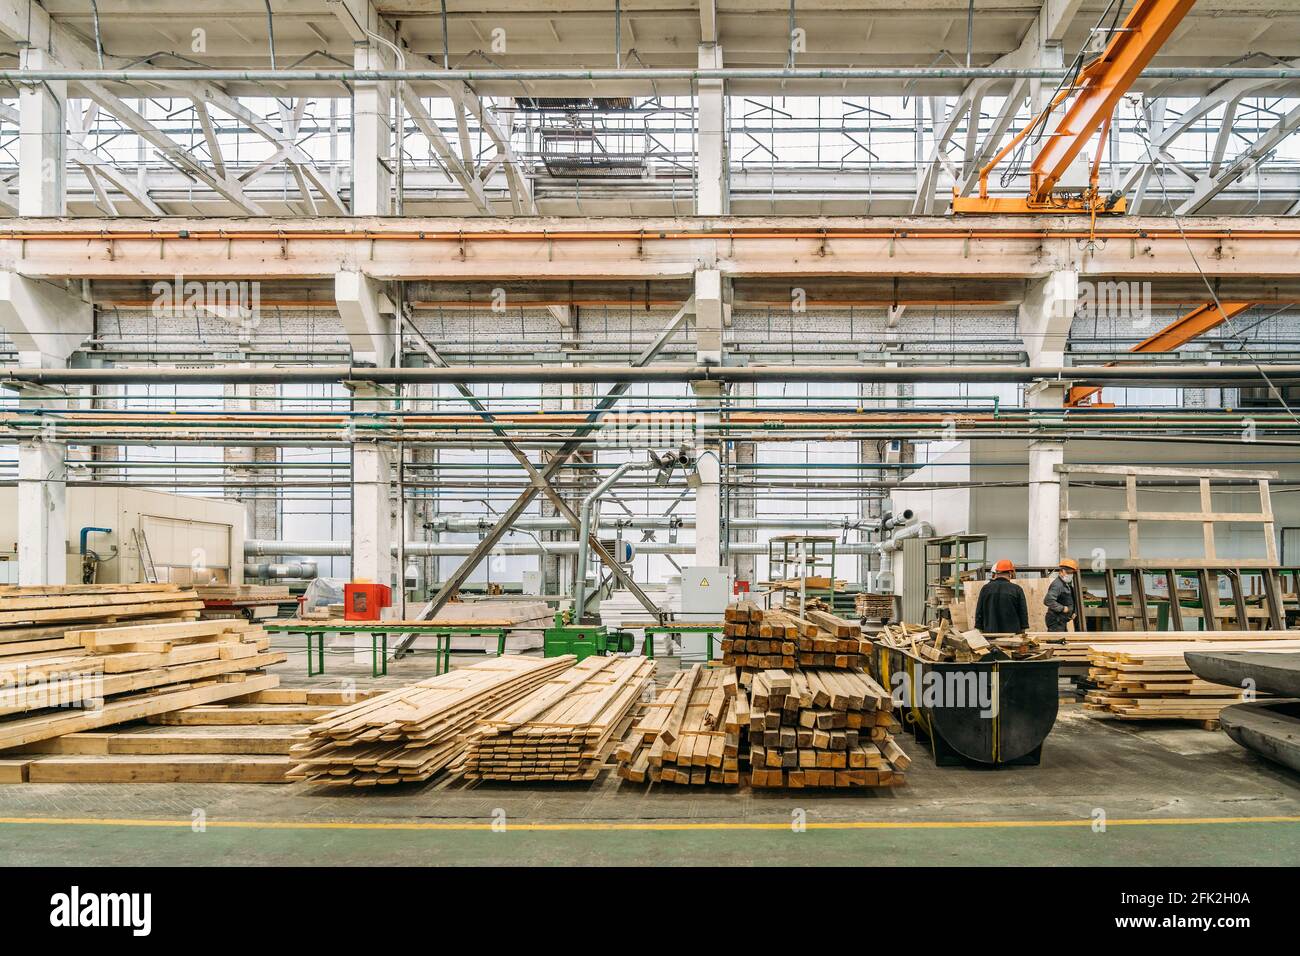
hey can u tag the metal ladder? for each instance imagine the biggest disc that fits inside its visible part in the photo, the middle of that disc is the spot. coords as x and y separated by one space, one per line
147 568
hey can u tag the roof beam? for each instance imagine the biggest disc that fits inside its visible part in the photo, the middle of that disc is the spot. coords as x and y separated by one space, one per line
229 188
1210 186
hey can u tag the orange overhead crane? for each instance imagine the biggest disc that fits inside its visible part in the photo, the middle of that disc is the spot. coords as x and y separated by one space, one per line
1097 91
1200 320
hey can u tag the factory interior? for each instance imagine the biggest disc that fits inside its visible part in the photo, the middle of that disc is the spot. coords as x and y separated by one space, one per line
650 433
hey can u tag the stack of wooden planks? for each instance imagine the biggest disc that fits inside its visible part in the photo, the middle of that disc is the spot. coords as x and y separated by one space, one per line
690 734
244 593
1151 680
34 619
409 734
758 639
566 729
822 729
872 606
1074 647
244 740
99 676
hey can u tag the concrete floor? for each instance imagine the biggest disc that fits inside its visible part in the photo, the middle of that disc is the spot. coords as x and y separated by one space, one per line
1171 794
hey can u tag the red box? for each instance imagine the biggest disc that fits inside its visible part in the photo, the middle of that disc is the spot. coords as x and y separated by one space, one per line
363 602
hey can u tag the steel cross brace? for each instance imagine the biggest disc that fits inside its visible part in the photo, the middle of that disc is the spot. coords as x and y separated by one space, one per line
541 482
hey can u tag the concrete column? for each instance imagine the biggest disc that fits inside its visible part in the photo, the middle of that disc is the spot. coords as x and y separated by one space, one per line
1046 314
42 512
261 511
708 496
372 512
42 140
1043 546
372 138
713 193
743 504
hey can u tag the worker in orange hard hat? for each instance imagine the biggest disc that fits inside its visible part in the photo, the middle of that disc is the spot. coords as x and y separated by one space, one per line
1060 597
1002 608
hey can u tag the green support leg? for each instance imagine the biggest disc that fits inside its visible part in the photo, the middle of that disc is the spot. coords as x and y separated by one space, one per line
320 666
378 661
444 642
501 643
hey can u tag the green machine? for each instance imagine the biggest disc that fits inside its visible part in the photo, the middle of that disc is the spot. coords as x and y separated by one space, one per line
582 640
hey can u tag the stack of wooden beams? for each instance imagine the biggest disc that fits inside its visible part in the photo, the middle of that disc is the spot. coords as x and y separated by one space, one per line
1074 647
875 607
244 740
566 729
822 729
409 734
758 639
34 619
244 593
100 676
1151 680
691 733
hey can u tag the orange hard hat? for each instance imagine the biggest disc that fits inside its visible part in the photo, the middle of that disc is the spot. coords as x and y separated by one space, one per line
1070 563
1003 566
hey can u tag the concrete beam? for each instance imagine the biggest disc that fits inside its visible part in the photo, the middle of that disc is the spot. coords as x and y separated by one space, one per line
362 307
479 249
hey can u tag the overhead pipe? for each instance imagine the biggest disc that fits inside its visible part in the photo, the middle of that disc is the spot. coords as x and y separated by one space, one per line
428 549
644 75
1167 373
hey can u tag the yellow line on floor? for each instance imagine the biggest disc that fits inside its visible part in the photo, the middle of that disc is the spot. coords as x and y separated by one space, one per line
625 826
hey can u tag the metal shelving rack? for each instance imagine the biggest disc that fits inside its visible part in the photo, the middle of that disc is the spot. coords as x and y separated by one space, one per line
950 561
800 556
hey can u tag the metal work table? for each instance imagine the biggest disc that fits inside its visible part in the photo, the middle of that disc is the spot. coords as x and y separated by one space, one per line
379 631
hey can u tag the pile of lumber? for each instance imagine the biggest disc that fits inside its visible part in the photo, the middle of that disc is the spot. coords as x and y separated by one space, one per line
874 607
690 734
564 730
822 729
244 593
1074 647
1151 680
99 676
34 619
758 639
940 642
244 740
409 734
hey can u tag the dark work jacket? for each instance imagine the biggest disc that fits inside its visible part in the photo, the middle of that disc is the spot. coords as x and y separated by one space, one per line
1059 601
1002 608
